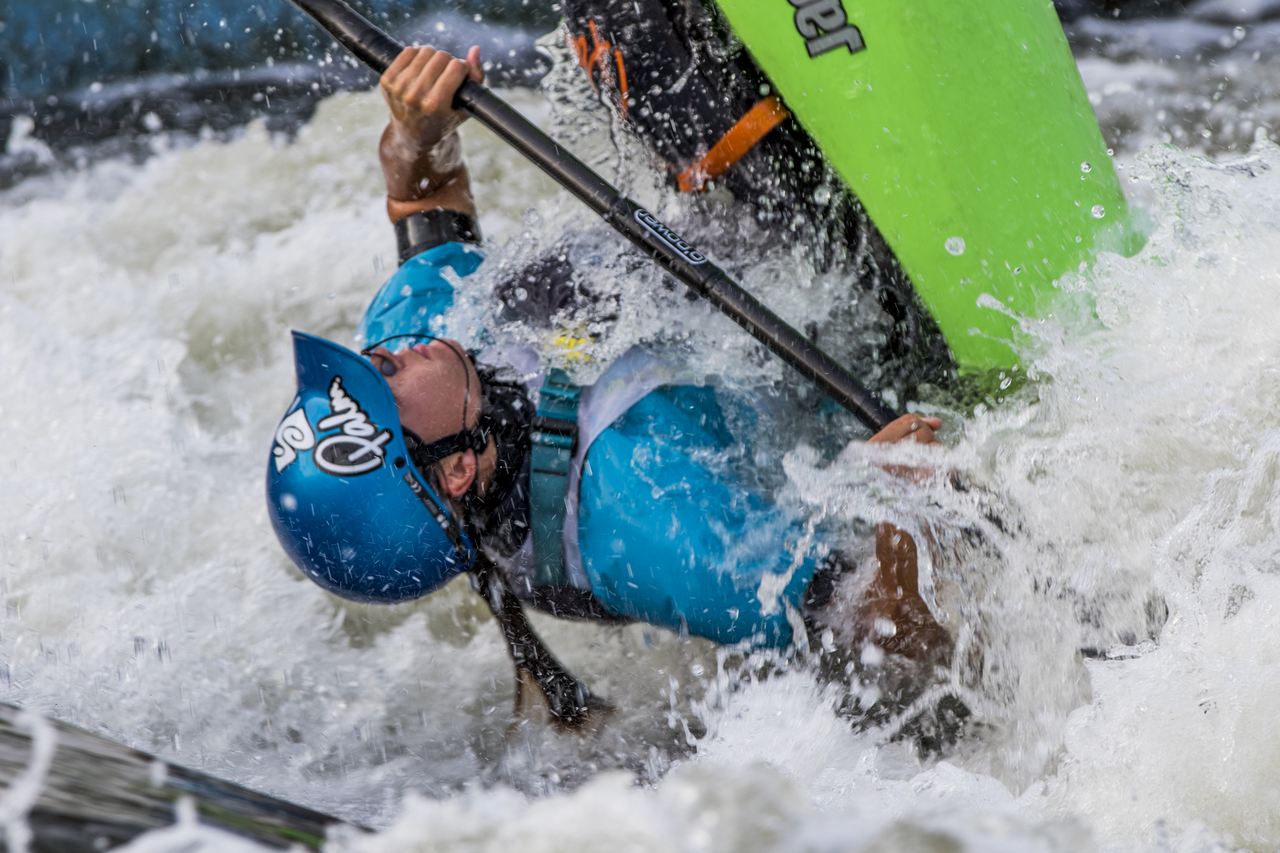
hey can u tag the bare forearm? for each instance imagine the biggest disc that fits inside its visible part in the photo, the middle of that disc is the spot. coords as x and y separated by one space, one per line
897 577
421 178
420 152
894 595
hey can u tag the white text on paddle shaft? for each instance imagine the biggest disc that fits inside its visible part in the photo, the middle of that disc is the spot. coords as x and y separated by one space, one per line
825 26
655 227
358 448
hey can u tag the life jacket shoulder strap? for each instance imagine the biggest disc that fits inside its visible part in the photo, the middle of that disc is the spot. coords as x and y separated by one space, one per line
554 443
757 123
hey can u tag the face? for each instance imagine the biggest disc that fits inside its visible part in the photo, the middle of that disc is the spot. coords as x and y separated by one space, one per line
430 382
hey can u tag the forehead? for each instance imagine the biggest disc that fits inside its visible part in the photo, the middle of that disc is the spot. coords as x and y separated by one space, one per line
435 396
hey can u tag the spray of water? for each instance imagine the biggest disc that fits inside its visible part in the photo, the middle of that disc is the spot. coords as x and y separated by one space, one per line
144 360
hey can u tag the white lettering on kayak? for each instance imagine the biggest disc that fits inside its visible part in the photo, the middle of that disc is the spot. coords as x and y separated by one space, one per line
293 434
358 449
824 25
655 227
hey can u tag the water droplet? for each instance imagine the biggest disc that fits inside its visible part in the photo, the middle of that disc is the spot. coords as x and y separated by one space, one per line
955 246
1086 167
822 195
1098 211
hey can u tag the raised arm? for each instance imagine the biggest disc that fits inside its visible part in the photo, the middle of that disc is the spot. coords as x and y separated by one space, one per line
420 152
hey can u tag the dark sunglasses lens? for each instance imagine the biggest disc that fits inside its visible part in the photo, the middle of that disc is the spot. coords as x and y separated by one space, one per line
386 367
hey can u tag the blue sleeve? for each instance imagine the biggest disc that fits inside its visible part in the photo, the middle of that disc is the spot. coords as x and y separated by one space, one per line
674 532
416 298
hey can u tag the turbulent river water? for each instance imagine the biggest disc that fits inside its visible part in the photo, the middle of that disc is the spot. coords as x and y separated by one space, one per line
144 360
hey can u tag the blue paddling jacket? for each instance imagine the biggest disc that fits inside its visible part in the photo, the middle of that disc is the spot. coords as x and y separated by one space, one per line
660 525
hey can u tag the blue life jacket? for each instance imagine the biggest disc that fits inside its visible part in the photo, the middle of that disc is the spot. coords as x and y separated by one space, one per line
661 521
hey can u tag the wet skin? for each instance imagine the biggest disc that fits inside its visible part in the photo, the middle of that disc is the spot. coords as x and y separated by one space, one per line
437 394
435 385
421 161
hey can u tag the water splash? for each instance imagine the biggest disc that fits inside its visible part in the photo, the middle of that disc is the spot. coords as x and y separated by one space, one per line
142 346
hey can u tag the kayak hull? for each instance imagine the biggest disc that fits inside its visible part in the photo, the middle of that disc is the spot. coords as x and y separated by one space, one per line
965 132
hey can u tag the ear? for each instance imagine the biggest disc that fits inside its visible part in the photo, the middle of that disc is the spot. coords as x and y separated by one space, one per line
458 472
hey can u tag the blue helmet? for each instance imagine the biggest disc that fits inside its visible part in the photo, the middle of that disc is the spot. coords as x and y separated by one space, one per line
346 500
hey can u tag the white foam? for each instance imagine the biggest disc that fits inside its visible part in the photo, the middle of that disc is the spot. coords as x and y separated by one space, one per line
144 360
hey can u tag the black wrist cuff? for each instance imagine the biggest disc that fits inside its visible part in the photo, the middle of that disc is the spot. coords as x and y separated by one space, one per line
418 232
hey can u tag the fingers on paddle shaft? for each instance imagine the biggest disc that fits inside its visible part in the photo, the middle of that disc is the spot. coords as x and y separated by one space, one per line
474 64
420 86
910 426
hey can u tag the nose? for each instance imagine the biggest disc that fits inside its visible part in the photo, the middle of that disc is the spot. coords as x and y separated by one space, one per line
437 346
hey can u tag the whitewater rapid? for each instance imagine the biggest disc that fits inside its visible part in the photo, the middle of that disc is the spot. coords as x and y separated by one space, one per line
144 357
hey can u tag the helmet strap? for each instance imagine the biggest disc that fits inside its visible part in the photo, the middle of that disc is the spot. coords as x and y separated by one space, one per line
572 706
427 453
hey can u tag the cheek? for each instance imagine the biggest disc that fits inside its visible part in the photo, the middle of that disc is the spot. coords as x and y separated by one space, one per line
430 403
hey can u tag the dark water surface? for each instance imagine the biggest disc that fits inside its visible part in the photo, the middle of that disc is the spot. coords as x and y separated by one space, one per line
94 80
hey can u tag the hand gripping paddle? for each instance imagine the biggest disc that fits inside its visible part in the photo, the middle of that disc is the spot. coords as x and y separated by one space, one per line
571 704
378 50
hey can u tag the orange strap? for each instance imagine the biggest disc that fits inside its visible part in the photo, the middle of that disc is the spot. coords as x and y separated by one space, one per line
593 58
599 49
754 126
623 92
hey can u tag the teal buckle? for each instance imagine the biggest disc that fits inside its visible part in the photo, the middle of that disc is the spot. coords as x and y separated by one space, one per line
554 440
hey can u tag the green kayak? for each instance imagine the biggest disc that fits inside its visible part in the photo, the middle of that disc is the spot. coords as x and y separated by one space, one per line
965 131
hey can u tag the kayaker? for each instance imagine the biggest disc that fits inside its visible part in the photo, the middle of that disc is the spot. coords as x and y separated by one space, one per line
404 465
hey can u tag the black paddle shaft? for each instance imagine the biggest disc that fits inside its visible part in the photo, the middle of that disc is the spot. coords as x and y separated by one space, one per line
378 50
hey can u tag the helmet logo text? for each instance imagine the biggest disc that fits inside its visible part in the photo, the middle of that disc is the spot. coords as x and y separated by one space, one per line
358 449
293 434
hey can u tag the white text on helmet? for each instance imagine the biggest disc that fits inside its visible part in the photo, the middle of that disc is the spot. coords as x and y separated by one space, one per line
358 448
